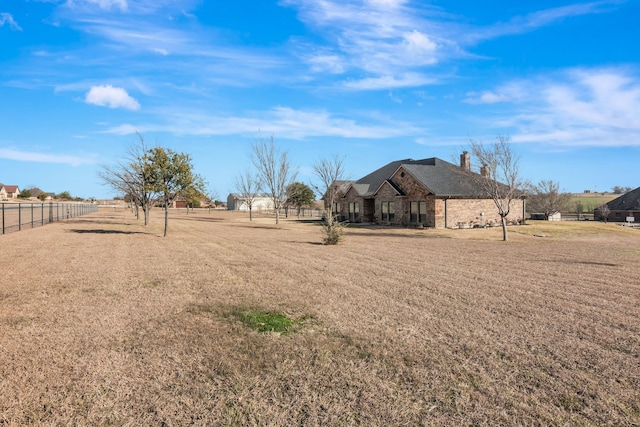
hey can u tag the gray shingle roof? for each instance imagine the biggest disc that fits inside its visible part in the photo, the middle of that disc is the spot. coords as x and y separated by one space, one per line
441 178
627 202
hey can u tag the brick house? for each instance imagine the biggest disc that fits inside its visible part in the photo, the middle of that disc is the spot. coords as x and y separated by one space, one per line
424 193
623 207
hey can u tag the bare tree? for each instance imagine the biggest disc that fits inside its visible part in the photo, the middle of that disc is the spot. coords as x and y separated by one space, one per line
248 186
275 171
132 179
330 172
603 212
579 208
499 175
546 197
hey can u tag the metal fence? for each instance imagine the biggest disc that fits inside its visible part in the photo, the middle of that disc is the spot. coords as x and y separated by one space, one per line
18 216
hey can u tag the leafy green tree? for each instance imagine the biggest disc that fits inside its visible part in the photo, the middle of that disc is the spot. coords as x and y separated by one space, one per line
171 175
65 195
299 195
24 194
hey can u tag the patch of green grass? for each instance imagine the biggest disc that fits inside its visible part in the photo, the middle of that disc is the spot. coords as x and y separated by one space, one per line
266 321
631 251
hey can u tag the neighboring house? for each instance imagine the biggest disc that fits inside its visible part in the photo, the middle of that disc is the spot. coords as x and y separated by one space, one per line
235 202
556 216
9 192
36 192
623 207
424 193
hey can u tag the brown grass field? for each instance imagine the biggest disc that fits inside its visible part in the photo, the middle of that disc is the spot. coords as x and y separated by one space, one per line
105 322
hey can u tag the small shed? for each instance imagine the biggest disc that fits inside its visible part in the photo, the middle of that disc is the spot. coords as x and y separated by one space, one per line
556 216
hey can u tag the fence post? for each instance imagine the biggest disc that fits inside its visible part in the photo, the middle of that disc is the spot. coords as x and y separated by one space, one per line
3 218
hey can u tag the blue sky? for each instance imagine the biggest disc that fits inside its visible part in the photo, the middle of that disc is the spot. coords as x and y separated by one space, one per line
371 80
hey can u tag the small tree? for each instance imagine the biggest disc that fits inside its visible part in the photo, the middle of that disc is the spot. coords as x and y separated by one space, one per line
24 194
171 175
132 178
330 172
546 197
499 178
275 171
603 212
579 208
65 195
249 186
299 195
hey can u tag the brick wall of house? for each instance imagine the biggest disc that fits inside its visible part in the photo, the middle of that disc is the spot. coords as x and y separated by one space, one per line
415 192
466 212
350 197
389 194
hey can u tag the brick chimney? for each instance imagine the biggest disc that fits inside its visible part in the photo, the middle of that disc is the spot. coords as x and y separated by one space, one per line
465 161
485 171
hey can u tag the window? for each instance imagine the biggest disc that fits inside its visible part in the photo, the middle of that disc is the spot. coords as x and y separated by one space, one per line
337 209
354 211
418 212
388 211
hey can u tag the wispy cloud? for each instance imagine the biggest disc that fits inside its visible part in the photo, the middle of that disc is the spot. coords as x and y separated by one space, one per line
112 97
29 156
381 38
285 122
578 107
7 19
541 18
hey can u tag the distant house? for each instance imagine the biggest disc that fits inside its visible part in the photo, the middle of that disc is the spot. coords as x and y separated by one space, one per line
9 192
37 193
425 193
621 208
235 202
556 216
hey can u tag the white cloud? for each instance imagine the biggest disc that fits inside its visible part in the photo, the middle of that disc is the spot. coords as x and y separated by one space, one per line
285 122
390 82
7 18
541 18
486 97
27 156
112 97
102 4
580 107
381 37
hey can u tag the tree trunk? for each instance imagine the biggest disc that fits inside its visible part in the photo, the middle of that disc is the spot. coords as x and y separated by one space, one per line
504 228
250 214
166 218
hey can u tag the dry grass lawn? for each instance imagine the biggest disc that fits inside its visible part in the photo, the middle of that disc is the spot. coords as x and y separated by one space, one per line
105 322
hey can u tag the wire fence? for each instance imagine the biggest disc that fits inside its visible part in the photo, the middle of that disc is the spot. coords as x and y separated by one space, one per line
19 216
